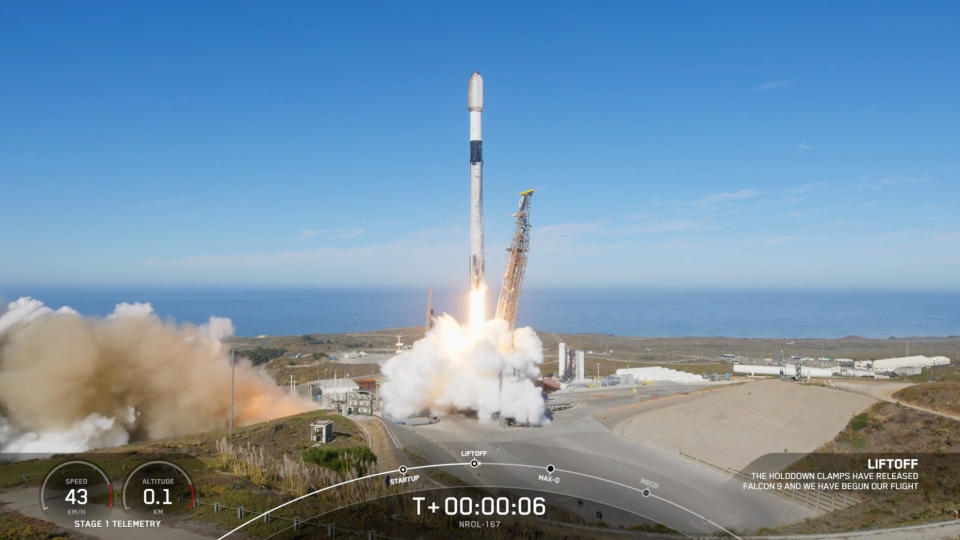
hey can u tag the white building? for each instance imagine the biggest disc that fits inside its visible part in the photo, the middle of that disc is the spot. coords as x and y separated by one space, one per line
789 370
918 361
657 373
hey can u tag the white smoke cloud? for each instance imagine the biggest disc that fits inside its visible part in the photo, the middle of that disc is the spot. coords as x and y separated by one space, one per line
450 370
136 309
70 383
94 431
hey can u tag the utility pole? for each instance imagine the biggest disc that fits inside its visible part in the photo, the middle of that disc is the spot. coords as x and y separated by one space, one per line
233 371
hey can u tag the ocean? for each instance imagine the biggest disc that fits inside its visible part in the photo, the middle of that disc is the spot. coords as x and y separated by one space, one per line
622 312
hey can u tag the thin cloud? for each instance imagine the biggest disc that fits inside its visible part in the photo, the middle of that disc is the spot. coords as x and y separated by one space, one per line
901 180
798 194
564 230
712 199
668 226
804 188
803 147
336 234
778 240
707 200
832 224
572 235
888 181
771 85
432 253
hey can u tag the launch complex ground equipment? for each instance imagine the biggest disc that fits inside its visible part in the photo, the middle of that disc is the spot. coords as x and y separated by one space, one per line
516 263
429 324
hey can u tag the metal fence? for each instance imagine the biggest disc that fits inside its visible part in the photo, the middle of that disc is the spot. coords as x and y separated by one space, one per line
331 530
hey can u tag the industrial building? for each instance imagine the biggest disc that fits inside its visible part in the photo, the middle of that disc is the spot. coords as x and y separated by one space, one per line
327 391
788 370
321 432
570 364
358 402
918 361
907 365
367 383
656 373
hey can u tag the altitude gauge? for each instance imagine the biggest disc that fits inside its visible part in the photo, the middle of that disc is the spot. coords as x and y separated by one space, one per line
158 488
77 489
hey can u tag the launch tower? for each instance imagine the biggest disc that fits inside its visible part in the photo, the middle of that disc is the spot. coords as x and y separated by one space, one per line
516 263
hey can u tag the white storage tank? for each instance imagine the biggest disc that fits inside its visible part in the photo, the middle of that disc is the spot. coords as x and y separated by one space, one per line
764 370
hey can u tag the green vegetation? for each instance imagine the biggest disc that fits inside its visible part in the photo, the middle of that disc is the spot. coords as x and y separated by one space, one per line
659 528
939 396
949 373
888 429
31 472
261 355
14 526
342 460
309 339
699 350
857 442
859 422
692 354
259 468
247 461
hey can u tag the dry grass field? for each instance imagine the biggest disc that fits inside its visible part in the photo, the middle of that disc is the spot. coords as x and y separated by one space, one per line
892 430
940 396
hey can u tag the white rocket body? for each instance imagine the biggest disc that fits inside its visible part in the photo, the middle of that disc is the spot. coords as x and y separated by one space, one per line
475 106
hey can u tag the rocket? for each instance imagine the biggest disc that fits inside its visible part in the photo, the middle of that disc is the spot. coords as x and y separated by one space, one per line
475 106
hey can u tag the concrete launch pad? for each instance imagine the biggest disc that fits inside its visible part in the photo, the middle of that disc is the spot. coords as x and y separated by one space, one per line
580 439
734 426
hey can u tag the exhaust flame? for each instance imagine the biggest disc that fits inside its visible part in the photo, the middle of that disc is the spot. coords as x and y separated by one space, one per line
478 309
70 383
482 367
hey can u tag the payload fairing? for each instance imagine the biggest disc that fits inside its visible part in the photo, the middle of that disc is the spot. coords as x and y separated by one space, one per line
475 106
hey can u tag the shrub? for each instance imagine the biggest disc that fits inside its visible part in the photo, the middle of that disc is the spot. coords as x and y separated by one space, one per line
247 461
260 355
342 460
859 422
294 476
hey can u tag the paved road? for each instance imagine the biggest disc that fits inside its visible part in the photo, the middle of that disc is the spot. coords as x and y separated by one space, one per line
27 502
577 441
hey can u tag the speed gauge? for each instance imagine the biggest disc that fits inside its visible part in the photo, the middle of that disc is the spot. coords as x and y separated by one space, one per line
77 489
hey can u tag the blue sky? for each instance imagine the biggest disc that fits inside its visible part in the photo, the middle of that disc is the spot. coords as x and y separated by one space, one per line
737 144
